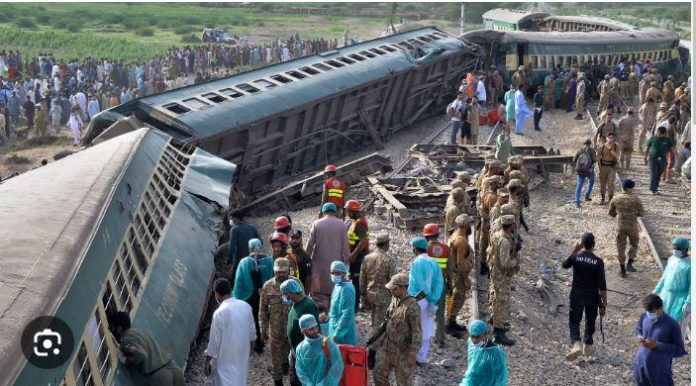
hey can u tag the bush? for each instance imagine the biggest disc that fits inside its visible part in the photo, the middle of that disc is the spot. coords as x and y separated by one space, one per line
145 32
60 24
75 27
191 20
184 29
43 19
114 19
190 39
25 22
17 159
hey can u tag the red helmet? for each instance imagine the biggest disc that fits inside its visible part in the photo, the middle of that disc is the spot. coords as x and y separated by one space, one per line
431 230
353 205
279 236
330 168
281 222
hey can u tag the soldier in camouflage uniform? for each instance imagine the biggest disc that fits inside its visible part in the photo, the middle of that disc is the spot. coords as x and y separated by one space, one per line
519 79
614 93
273 319
626 133
375 273
604 94
461 263
516 188
668 90
503 267
493 183
507 209
626 207
503 198
402 337
458 202
653 93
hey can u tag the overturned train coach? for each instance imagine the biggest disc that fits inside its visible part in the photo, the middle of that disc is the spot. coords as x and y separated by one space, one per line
286 119
130 224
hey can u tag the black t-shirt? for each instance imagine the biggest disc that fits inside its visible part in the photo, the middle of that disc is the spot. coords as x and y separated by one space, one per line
588 274
304 263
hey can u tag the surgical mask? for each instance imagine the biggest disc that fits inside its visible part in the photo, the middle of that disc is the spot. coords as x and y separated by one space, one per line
313 338
677 253
336 279
480 344
651 315
287 301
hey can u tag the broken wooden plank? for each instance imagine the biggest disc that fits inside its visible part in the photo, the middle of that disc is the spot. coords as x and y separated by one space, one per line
365 119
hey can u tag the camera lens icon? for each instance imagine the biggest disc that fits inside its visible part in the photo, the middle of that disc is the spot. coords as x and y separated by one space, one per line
47 342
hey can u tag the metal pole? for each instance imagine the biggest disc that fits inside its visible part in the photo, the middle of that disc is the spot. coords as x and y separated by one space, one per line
461 21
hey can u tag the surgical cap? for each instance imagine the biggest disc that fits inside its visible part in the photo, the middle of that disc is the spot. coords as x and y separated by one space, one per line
291 285
255 244
477 327
419 242
681 243
328 207
307 321
338 266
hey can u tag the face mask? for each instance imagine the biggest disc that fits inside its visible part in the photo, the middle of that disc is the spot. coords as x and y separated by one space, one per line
287 301
677 253
481 343
336 279
313 338
651 315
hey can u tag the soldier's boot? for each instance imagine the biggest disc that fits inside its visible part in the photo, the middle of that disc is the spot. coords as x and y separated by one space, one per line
610 197
371 359
484 269
278 382
587 350
501 338
575 352
602 202
623 270
629 266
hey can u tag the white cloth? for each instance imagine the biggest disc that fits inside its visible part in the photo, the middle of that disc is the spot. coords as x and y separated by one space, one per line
75 124
230 333
481 91
428 328
81 100
456 105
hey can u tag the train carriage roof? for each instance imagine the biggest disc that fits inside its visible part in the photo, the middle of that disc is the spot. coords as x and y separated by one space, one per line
235 112
643 35
600 21
512 16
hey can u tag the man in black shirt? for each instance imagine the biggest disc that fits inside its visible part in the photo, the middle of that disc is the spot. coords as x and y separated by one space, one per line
304 262
588 293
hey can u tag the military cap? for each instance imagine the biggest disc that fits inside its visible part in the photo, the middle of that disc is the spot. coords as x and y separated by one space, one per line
457 192
337 265
495 179
382 238
508 209
281 264
507 219
457 184
503 192
516 174
628 184
495 163
307 321
515 159
462 219
606 76
515 183
653 84
477 328
681 243
398 280
291 285
464 176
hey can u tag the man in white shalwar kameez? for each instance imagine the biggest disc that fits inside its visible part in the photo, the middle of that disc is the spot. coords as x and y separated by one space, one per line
232 335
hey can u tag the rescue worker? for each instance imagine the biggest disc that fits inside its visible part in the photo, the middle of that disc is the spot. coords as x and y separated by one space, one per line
668 90
516 189
605 128
684 108
341 316
314 367
584 161
425 276
588 294
503 266
458 270
580 97
273 318
519 79
626 133
674 287
657 149
304 261
376 271
253 271
402 337
614 92
334 190
279 244
441 254
646 114
142 352
604 94
626 207
359 243
473 117
485 360
282 224
301 305
623 85
503 144
653 93
607 157
509 100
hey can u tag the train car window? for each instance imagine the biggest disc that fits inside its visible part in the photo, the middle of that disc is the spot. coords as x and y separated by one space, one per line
334 63
377 51
387 48
345 60
232 93
406 45
281 78
543 62
247 87
99 347
356 57
296 74
434 37
425 38
81 368
367 54
310 70
265 83
195 103
440 34
400 47
322 66
108 299
416 42
176 108
213 97
127 263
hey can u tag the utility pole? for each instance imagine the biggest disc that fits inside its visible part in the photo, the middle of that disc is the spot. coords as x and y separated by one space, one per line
461 21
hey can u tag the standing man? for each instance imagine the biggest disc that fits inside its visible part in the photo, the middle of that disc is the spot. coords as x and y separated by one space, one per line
304 261
341 316
375 273
334 190
674 287
660 341
647 114
539 102
29 109
425 276
485 360
454 112
240 234
588 294
319 361
608 155
40 121
328 241
403 335
626 133
473 119
603 130
457 203
358 242
459 269
522 112
301 305
503 144
509 100
571 91
503 266
657 149
273 317
13 104
232 335
626 207
580 97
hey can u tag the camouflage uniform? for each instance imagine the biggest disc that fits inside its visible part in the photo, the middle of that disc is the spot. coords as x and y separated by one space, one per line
375 273
632 84
273 319
603 130
607 170
626 135
646 114
462 261
502 268
580 96
643 86
474 114
654 93
626 207
668 92
603 91
614 97
401 338
489 199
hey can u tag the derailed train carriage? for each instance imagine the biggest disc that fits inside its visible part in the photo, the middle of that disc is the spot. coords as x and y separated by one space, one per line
286 119
130 224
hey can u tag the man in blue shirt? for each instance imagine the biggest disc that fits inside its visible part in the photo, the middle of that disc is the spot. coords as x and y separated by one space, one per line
240 234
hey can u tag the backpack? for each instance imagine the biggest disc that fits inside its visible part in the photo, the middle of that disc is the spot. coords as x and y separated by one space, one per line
583 164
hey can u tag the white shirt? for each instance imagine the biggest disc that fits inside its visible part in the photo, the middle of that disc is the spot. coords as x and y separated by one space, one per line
456 105
481 91
230 333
